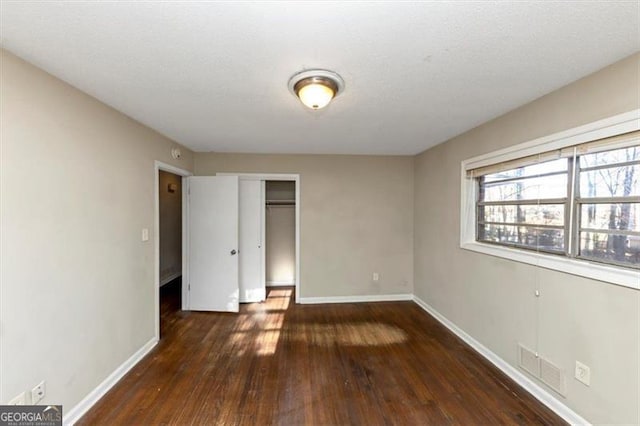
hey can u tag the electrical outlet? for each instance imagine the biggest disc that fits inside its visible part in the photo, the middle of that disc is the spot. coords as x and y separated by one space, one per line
376 276
583 373
38 392
19 400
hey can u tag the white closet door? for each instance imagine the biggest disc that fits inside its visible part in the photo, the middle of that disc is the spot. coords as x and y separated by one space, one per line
252 286
213 243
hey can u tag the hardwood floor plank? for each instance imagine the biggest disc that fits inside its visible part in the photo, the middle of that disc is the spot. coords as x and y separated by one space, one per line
285 364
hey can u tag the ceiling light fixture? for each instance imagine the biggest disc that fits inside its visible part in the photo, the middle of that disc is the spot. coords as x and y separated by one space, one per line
316 88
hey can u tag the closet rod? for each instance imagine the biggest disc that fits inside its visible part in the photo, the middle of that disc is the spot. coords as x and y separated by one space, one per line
281 202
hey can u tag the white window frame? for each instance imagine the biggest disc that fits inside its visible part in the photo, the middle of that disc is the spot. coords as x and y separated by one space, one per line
608 127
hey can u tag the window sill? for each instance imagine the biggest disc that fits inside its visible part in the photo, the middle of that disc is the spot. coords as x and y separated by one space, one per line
614 275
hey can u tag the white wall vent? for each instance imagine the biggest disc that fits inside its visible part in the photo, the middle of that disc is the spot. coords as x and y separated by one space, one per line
528 361
553 376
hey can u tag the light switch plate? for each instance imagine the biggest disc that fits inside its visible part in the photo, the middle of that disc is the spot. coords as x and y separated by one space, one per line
145 234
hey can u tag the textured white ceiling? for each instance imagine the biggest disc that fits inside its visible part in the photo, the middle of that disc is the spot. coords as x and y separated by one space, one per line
213 76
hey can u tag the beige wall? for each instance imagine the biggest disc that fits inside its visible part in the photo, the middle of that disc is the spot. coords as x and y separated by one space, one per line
356 218
492 299
170 205
280 235
77 184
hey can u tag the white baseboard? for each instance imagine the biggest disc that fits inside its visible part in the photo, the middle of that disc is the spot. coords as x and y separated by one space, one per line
83 406
280 283
356 299
520 378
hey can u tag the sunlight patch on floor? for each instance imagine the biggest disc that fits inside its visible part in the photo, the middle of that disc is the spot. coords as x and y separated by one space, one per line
259 332
285 292
267 341
277 300
348 334
245 322
262 325
265 334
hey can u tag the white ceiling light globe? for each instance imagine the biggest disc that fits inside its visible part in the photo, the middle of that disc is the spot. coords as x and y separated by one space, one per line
315 96
316 88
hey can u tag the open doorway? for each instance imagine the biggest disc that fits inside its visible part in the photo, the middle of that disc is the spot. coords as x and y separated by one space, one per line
170 236
170 241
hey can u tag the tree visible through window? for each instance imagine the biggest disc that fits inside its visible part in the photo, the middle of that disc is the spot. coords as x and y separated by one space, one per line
609 207
580 205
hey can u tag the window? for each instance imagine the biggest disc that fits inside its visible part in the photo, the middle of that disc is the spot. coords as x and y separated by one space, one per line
525 207
529 206
570 202
608 206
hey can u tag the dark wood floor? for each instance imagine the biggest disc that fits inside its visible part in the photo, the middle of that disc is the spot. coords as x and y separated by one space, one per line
344 364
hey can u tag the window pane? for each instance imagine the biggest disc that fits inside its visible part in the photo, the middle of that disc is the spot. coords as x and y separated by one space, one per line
544 214
559 165
524 236
527 189
624 249
610 157
623 216
611 182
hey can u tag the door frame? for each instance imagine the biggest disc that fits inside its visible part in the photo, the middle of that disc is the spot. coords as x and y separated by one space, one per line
157 167
287 177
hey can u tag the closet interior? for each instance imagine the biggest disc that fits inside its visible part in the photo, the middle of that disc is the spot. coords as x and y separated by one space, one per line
280 231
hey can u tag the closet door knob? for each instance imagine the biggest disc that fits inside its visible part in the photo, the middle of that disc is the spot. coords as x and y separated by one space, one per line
233 252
